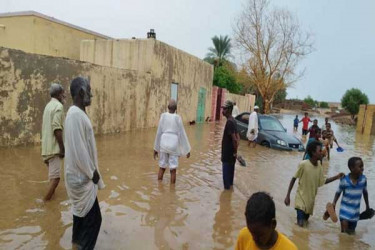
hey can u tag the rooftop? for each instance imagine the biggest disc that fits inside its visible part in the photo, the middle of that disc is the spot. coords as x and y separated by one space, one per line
37 14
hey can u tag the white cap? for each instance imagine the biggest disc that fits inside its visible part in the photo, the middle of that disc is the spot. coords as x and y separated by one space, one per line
256 107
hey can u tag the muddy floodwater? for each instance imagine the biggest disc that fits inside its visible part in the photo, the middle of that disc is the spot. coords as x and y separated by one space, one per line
141 213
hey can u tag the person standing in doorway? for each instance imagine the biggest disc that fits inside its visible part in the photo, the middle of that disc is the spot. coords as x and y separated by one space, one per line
253 127
235 111
52 137
171 141
82 177
229 145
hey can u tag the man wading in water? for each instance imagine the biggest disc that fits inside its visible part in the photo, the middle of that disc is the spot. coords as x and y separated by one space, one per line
171 141
52 137
229 145
82 177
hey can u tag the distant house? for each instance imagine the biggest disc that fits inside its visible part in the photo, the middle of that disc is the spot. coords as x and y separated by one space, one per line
34 32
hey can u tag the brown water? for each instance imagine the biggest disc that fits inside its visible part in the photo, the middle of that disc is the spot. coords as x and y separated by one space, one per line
140 213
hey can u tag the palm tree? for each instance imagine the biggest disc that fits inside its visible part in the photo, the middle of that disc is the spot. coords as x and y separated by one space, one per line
220 52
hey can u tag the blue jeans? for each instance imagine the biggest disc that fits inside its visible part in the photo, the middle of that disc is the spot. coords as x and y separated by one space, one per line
228 174
302 216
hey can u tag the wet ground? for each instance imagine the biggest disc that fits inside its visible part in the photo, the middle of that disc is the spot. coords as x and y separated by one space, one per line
140 213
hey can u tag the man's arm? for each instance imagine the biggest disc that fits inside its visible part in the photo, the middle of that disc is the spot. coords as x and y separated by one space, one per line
365 197
333 178
57 126
235 141
287 198
59 137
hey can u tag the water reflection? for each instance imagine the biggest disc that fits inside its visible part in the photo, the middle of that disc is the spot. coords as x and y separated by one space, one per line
223 226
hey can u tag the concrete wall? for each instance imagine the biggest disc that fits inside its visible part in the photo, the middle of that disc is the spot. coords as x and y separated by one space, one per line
245 103
164 63
34 34
123 99
366 120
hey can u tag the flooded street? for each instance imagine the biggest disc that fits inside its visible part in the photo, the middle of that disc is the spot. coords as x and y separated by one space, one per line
141 213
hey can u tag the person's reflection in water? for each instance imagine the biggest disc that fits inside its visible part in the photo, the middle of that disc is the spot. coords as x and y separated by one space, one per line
164 215
222 229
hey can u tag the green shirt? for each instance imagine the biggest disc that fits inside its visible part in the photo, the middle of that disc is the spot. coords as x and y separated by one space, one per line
310 179
53 119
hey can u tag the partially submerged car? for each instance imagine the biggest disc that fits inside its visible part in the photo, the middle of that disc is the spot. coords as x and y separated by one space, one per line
271 134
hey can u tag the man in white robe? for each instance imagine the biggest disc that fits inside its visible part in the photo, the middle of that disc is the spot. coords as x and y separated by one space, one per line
235 111
171 141
252 129
82 177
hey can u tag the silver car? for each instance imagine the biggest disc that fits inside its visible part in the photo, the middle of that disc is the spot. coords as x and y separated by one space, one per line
271 134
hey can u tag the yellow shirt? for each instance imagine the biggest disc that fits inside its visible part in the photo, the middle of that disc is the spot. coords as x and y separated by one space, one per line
310 179
53 119
245 242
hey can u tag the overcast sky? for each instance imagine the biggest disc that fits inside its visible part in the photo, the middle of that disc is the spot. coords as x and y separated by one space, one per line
343 30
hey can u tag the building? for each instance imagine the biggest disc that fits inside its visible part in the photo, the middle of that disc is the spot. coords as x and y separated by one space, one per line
366 120
34 32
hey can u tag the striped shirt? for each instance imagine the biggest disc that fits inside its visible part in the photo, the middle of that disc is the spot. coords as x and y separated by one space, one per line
351 198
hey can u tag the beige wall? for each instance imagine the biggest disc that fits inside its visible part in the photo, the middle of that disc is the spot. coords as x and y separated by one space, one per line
244 103
38 35
123 99
366 122
164 63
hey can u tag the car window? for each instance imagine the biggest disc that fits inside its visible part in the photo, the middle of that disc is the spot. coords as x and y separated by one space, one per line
269 123
243 118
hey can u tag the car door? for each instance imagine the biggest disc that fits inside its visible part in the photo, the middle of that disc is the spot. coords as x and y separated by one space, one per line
242 124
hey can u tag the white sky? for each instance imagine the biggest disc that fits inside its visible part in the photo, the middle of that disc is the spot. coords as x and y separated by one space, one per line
343 30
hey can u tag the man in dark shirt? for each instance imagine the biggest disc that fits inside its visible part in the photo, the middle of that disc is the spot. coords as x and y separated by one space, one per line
313 129
229 145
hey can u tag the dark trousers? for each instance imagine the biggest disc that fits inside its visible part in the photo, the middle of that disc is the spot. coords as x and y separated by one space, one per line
228 174
86 229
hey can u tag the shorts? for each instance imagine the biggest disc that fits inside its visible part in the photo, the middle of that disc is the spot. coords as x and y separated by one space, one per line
351 225
166 160
301 215
304 131
54 165
295 127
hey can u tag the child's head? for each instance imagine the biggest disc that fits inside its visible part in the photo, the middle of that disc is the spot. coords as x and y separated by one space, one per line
261 217
296 116
318 133
328 126
314 150
356 166
315 122
306 114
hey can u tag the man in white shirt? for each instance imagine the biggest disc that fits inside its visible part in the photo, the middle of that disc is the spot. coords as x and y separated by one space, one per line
82 177
171 141
235 111
252 130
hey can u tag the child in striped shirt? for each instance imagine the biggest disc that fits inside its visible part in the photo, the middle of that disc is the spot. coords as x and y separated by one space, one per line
353 185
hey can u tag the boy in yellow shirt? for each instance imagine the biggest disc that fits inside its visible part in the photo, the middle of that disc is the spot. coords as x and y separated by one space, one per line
260 232
311 177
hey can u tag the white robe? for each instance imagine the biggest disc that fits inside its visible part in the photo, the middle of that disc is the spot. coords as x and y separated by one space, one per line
171 137
80 161
235 111
253 125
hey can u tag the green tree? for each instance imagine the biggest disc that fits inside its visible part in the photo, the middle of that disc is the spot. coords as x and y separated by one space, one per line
352 99
324 105
224 77
310 101
220 53
280 96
